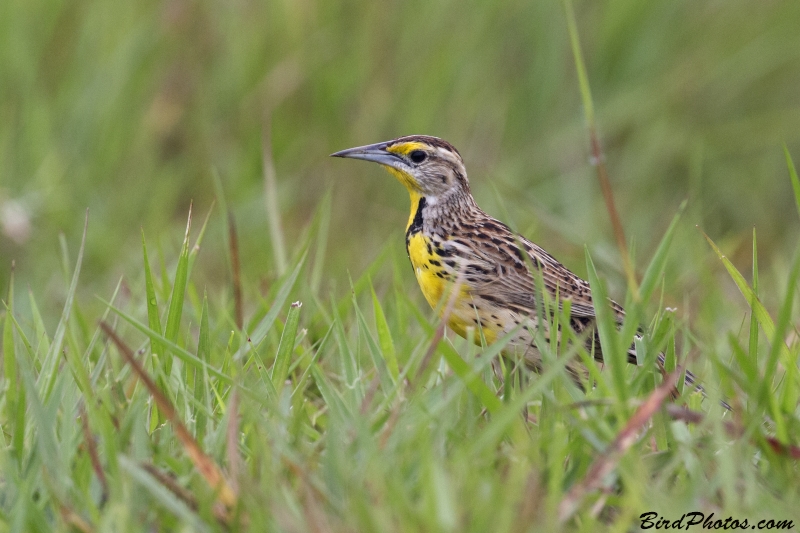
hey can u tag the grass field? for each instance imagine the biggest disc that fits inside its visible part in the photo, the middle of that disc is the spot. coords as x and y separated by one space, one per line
272 365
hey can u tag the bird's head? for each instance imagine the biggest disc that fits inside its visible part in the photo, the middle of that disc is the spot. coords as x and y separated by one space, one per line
427 166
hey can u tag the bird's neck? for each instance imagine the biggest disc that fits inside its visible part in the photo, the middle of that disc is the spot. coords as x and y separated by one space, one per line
436 211
418 203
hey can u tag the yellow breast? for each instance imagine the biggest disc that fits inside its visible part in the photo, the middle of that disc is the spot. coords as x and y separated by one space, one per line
433 286
436 279
437 289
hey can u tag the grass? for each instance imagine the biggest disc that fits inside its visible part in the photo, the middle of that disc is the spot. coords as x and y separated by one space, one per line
324 414
272 367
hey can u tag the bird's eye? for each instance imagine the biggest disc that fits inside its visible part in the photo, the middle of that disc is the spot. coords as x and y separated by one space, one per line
418 156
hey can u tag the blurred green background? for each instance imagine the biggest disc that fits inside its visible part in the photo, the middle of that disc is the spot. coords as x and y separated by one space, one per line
129 110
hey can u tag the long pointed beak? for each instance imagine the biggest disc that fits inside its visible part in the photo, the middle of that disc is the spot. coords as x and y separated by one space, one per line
372 152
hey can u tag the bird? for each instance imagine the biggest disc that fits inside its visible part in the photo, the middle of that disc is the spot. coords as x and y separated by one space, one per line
475 270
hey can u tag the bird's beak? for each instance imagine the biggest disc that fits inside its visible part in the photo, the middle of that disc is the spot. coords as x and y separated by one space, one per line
376 153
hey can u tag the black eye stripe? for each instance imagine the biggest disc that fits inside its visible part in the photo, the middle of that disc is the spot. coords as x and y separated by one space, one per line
417 156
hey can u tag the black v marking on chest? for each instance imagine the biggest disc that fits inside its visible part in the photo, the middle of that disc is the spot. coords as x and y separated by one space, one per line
416 223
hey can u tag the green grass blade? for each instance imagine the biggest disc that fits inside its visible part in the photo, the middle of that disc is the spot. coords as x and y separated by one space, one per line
745 362
98 335
472 380
779 351
42 339
363 281
184 355
153 318
580 67
348 363
470 375
178 293
204 336
271 205
161 495
771 367
44 418
62 243
162 265
265 324
50 367
378 356
333 399
384 336
200 375
18 417
597 152
792 176
613 356
80 373
758 309
286 347
199 240
753 344
320 349
656 267
14 393
505 414
9 354
789 384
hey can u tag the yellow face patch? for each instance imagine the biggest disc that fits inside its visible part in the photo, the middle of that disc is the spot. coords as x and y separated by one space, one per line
405 148
406 179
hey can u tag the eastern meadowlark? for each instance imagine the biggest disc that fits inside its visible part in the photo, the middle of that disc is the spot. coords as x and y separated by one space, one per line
455 247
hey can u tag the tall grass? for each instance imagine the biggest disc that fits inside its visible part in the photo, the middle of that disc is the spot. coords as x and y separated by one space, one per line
327 414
